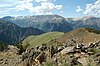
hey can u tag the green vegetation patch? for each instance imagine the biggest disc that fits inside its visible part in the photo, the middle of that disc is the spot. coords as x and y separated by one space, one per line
27 41
92 30
44 38
3 46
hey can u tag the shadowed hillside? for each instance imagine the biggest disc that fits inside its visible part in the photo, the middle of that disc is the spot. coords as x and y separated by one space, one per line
12 34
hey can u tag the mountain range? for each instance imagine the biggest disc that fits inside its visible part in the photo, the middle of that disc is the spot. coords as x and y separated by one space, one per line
85 22
46 23
49 23
20 27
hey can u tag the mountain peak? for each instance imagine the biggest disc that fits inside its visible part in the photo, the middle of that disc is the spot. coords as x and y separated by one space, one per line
88 17
7 17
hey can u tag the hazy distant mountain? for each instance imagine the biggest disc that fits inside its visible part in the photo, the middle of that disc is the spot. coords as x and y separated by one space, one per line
11 33
88 21
46 23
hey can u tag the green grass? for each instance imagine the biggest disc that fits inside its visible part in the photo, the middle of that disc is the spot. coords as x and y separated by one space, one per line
26 41
48 63
44 38
30 38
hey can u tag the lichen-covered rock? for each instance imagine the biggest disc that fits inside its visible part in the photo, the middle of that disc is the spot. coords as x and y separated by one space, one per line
84 61
67 50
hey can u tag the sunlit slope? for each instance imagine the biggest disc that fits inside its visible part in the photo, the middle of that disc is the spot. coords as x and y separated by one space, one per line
81 35
44 38
26 41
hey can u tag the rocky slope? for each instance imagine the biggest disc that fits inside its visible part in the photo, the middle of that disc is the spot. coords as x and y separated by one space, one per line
80 35
11 33
79 47
10 57
46 23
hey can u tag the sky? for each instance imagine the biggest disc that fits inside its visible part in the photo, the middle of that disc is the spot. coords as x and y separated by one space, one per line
66 8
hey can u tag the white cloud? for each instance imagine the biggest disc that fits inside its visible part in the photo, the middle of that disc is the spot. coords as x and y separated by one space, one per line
24 4
40 7
5 5
41 0
44 0
44 7
61 11
92 9
79 9
10 2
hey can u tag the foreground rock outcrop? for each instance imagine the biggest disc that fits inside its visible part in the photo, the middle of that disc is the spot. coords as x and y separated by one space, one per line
59 55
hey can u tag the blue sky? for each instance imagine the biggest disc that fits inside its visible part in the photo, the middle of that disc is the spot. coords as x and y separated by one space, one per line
66 8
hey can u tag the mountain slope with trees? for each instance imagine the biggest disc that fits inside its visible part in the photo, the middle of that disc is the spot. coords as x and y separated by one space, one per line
12 34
